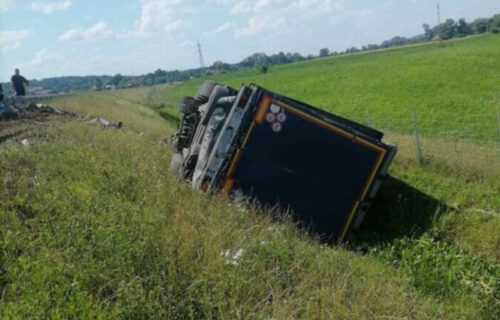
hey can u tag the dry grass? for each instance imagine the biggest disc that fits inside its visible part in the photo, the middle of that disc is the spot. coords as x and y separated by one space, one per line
476 159
141 118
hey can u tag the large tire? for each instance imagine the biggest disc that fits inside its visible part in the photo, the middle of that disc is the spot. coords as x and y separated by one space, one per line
204 91
176 164
232 91
189 105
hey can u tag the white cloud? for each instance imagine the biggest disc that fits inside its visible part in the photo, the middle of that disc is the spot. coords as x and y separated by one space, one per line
157 18
47 7
257 24
12 39
98 31
223 27
41 56
6 4
280 16
160 16
358 17
299 7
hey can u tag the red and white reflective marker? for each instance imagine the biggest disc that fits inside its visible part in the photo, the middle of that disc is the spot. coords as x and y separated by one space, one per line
277 127
282 117
275 109
270 117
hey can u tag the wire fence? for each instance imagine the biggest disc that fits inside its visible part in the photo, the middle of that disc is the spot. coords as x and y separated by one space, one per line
470 142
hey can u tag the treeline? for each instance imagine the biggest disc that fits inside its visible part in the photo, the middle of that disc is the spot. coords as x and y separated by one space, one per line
445 31
260 61
104 82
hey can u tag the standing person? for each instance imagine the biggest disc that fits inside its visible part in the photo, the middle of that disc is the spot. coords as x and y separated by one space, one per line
18 83
1 93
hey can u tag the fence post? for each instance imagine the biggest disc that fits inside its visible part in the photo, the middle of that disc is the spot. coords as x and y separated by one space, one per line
368 118
417 138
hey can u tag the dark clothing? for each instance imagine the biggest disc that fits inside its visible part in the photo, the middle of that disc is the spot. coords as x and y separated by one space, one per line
18 81
1 92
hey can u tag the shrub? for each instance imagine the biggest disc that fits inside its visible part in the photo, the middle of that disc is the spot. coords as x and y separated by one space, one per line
263 69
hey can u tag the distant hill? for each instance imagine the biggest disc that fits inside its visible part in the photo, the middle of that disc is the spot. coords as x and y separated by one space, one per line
453 86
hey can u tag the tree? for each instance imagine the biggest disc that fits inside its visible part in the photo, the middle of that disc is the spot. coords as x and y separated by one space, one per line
297 57
281 58
256 59
219 66
149 79
98 84
495 23
263 69
464 28
481 25
324 52
116 79
396 41
429 34
448 29
160 73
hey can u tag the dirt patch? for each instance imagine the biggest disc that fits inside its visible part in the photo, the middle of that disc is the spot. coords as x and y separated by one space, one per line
20 120
8 136
24 132
13 110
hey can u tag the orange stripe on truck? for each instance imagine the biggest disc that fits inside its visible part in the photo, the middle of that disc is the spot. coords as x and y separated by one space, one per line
227 187
265 102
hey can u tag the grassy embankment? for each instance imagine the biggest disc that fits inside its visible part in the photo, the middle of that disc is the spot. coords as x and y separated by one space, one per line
92 225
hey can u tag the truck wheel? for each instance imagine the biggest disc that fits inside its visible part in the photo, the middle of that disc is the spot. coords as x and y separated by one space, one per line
204 91
189 105
176 164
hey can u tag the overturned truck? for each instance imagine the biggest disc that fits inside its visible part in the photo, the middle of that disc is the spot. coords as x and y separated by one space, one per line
324 169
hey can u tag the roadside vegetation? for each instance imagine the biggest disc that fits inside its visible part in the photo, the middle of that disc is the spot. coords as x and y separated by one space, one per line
93 226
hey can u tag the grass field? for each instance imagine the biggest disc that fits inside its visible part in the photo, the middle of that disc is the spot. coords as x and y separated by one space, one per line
454 86
93 226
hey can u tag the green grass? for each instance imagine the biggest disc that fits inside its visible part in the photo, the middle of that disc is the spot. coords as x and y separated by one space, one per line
452 85
454 88
93 226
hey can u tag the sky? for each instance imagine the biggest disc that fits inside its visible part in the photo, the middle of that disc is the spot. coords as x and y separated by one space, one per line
47 38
